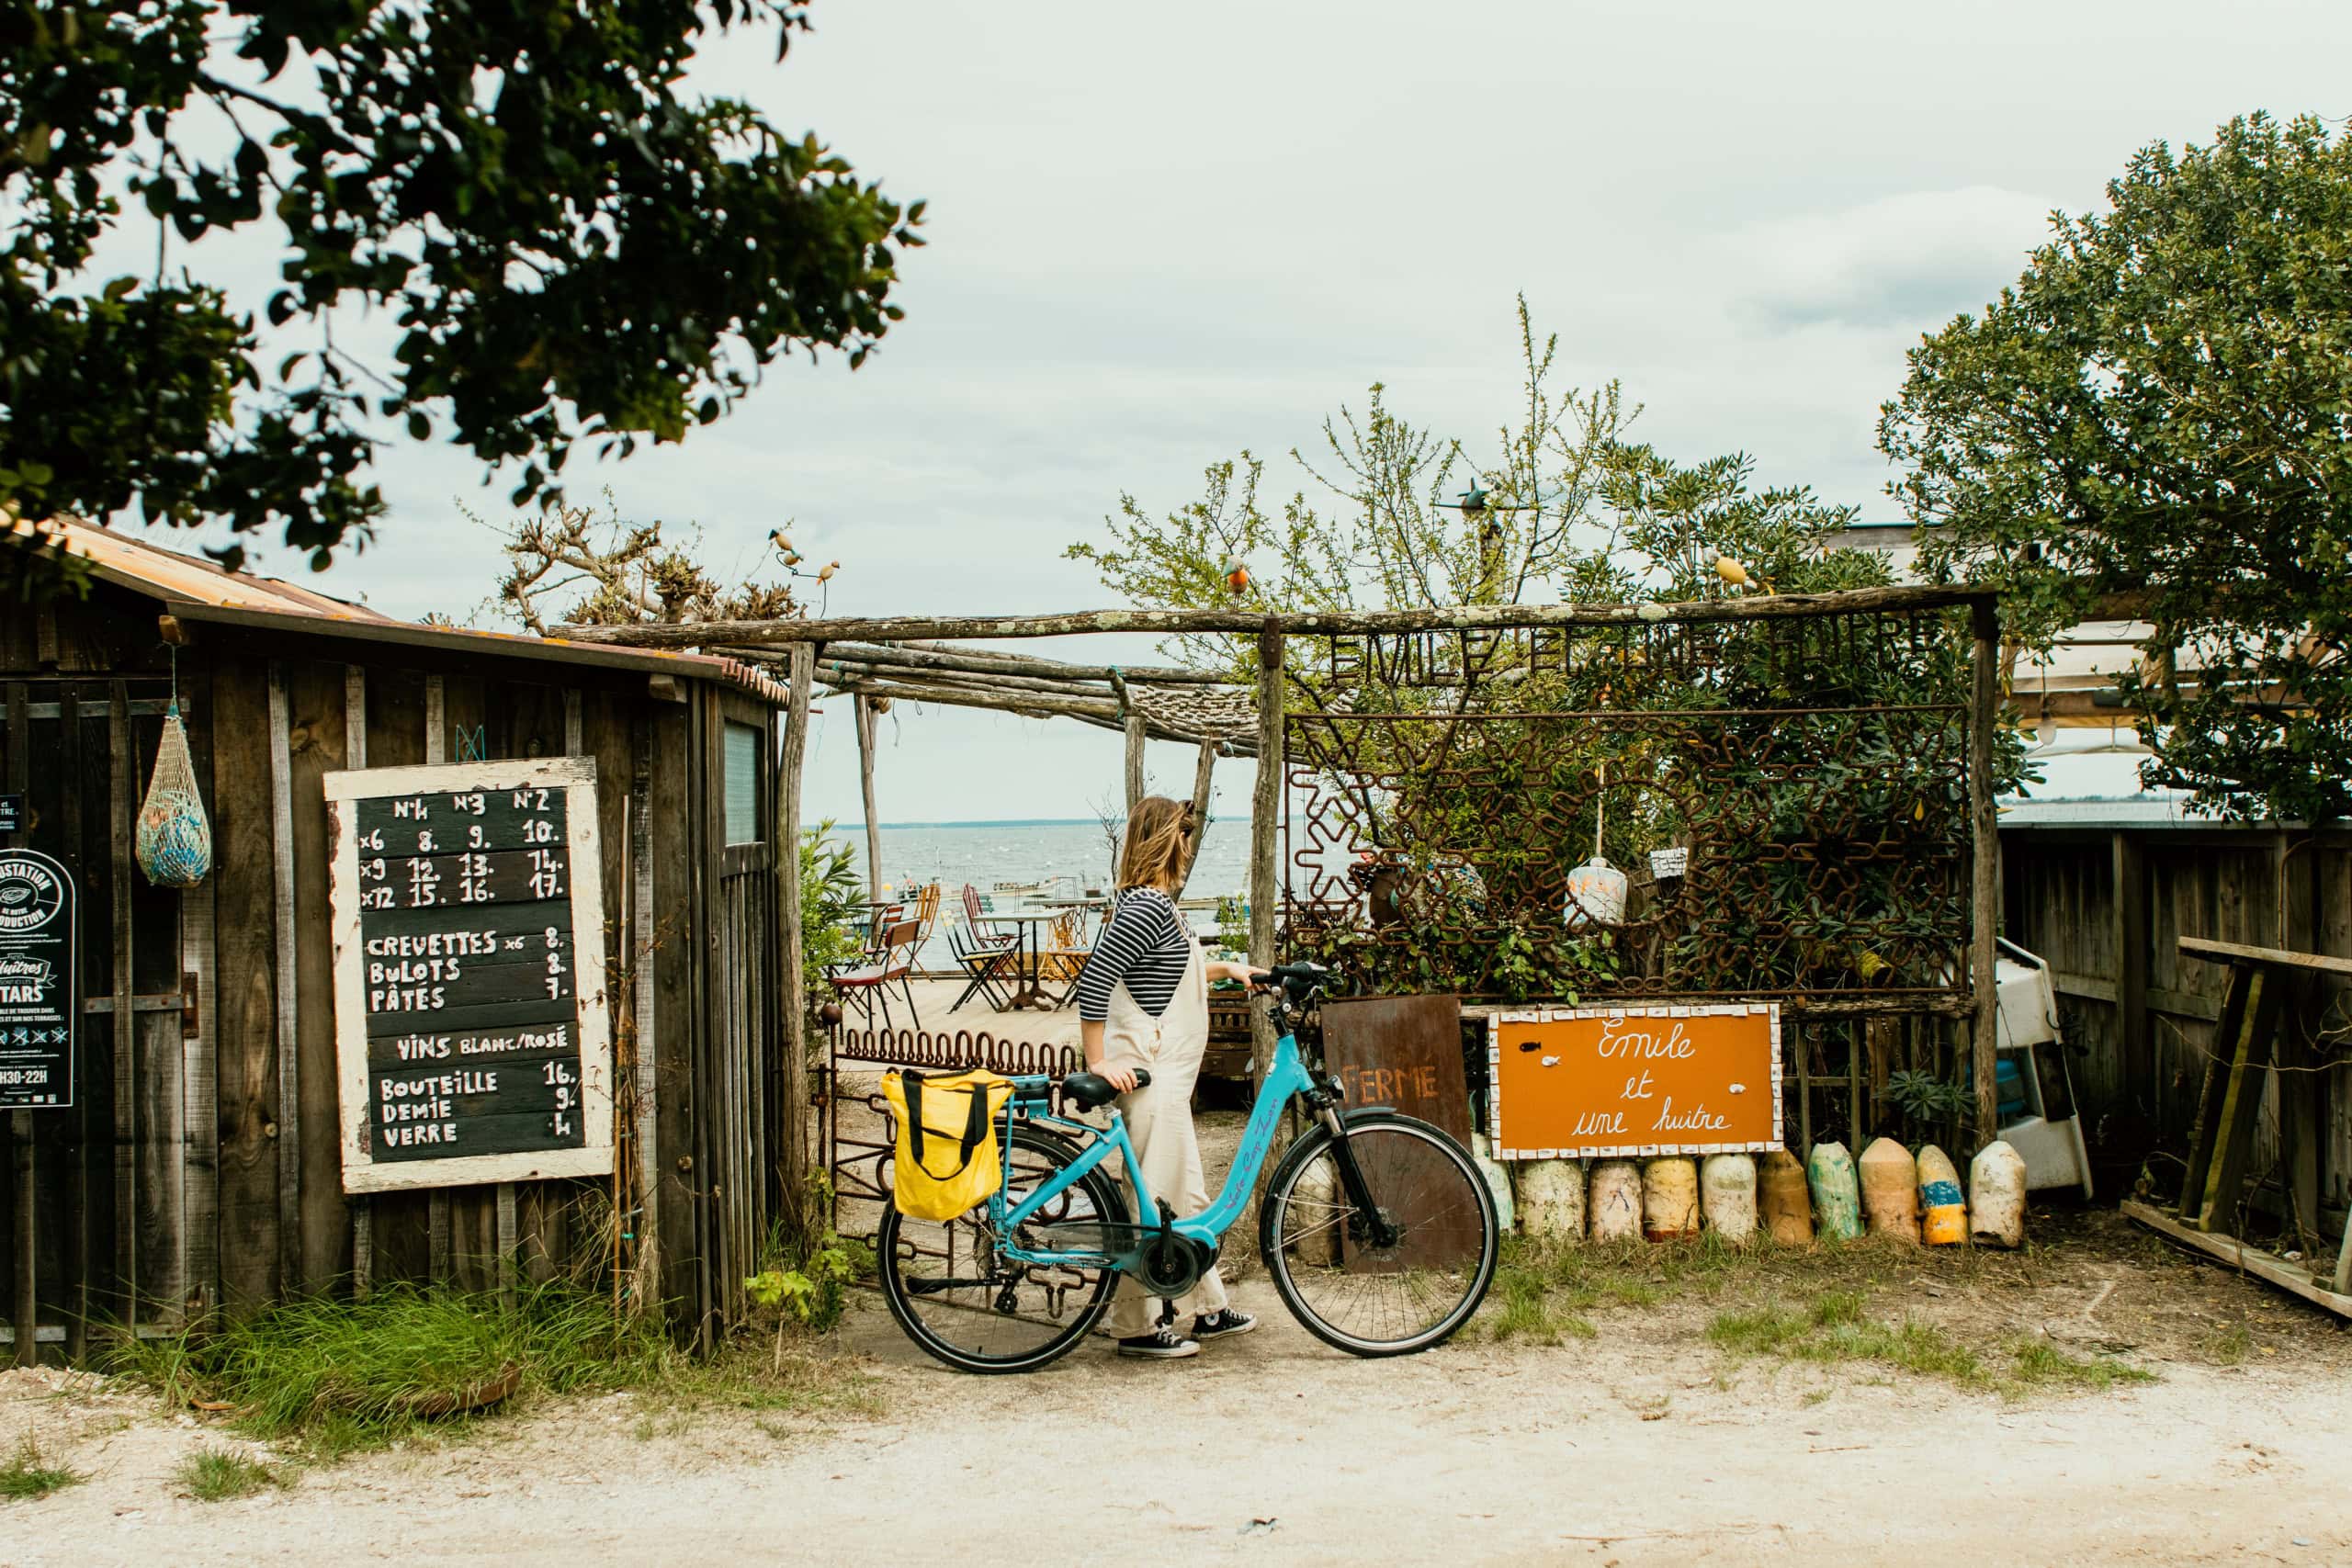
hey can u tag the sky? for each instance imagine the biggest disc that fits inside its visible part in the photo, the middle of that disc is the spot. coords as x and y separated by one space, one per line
1160 235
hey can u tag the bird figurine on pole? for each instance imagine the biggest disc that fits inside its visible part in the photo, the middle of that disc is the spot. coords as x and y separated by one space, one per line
1236 573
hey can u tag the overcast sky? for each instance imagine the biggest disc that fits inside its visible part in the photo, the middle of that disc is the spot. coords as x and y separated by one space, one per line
1159 235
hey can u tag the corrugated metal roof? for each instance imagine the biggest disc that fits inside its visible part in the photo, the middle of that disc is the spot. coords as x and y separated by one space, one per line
198 591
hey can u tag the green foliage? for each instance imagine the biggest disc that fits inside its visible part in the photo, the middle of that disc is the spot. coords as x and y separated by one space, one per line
2158 409
1833 1327
570 249
216 1475
340 1376
1928 1099
28 1474
833 901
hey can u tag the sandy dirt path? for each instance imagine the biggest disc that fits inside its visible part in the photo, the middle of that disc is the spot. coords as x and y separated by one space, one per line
1272 1448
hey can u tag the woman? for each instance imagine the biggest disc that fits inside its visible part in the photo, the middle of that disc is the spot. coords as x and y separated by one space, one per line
1142 1002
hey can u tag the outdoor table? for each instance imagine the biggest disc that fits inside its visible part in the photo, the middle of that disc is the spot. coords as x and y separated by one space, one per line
1029 958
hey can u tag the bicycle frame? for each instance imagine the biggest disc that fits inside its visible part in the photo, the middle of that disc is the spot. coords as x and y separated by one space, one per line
1286 1078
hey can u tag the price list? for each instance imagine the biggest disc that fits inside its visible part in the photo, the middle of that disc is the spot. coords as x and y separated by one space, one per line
468 962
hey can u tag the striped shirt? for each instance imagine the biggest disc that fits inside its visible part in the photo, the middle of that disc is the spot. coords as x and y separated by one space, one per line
1146 944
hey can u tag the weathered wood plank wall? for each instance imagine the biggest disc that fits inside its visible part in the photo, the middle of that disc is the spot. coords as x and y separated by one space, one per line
2108 910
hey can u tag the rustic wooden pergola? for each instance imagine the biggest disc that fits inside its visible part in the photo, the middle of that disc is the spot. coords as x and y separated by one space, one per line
917 658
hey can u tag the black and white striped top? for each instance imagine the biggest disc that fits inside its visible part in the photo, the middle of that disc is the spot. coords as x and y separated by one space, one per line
1146 944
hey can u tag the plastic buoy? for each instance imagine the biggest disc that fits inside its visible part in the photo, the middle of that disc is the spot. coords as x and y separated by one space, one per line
1996 1196
1943 1210
1613 1205
1727 1196
1670 1198
1497 1180
1890 1181
1788 1206
1836 1202
1551 1200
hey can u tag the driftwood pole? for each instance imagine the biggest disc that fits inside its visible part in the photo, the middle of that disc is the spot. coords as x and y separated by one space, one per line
793 1156
1265 834
866 785
1134 761
1204 774
1984 889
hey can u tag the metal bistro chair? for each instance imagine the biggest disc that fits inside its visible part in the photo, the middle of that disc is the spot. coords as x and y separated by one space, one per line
983 954
866 982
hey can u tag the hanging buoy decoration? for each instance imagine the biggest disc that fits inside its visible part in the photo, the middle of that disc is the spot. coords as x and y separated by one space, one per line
173 840
1731 571
1596 888
1236 573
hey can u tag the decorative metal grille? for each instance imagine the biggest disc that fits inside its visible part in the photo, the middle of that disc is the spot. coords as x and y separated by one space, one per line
1805 776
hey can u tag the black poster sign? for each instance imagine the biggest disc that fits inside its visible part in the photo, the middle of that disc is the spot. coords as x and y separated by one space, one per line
470 926
40 991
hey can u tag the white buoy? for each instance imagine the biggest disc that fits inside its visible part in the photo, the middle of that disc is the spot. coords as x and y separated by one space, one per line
1727 1195
1613 1206
1996 1196
1497 1180
1890 1183
1551 1200
1670 1198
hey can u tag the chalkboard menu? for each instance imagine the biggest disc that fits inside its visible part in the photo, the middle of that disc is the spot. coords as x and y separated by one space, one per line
471 1024
41 993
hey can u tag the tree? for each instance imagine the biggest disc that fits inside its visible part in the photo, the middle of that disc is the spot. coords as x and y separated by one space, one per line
1567 507
627 573
570 249
2158 414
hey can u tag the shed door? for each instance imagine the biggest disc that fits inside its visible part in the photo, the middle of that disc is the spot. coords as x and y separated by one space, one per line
744 1021
110 1176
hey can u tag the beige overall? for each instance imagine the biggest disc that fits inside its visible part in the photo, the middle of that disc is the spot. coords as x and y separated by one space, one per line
1160 1121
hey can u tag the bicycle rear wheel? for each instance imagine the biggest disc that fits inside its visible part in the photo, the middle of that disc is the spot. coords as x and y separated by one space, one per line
1348 1291
961 1302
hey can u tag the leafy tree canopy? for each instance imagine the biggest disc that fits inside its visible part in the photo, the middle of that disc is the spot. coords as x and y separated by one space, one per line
2161 409
1565 505
570 249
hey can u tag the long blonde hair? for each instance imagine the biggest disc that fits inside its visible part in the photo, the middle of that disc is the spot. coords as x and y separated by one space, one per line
1159 851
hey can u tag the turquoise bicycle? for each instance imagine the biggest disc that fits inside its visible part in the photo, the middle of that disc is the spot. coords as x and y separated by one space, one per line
1377 1229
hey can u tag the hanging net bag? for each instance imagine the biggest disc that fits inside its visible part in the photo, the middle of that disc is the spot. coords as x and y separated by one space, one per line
174 840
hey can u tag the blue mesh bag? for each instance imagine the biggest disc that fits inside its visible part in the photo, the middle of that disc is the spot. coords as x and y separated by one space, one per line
174 840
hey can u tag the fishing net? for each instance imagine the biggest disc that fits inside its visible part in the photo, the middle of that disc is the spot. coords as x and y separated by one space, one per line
174 840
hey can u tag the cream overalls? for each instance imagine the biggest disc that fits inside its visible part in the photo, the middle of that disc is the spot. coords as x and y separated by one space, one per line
1160 1121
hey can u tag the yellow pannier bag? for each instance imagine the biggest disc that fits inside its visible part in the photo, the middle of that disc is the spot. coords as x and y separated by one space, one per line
947 1158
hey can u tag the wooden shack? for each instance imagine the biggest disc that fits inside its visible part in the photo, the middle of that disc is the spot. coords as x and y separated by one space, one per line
198 1165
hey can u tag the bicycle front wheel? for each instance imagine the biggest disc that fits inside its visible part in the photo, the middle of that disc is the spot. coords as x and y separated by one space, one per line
959 1299
1326 1254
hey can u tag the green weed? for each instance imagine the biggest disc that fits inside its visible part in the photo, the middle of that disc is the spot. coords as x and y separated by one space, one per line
216 1475
2227 1345
1834 1328
2034 1363
1529 1312
27 1475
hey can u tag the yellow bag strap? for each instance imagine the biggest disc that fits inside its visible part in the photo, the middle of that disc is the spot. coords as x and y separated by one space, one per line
976 1122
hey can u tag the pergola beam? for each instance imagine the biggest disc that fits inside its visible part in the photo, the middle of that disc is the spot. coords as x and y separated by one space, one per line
1315 623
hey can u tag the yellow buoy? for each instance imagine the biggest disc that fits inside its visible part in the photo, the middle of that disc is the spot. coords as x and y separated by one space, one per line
1890 1179
1787 1204
1943 1210
1670 1198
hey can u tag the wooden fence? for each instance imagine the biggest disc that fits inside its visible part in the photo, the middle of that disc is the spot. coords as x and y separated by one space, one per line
2106 905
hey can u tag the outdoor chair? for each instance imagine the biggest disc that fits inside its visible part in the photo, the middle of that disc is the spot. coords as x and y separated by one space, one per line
927 912
1065 951
865 982
985 957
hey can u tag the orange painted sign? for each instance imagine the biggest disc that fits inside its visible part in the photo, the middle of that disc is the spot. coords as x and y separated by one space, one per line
1620 1083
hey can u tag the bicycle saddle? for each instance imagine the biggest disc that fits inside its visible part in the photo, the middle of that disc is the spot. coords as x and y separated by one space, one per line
1089 1090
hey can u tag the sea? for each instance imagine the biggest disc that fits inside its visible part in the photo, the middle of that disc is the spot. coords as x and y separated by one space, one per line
1018 865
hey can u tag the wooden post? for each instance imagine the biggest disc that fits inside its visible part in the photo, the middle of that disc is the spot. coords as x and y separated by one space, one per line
1265 834
354 755
1134 761
1204 776
2301 1089
864 709
793 1154
123 831
285 1128
24 1310
1984 892
2136 1049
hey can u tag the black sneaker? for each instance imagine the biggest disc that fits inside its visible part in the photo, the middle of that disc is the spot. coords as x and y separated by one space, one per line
1224 1321
1161 1343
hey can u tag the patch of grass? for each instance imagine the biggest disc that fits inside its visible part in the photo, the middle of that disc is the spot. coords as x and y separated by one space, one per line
216 1475
2227 1345
1834 1328
1529 1310
28 1474
2037 1364
342 1376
